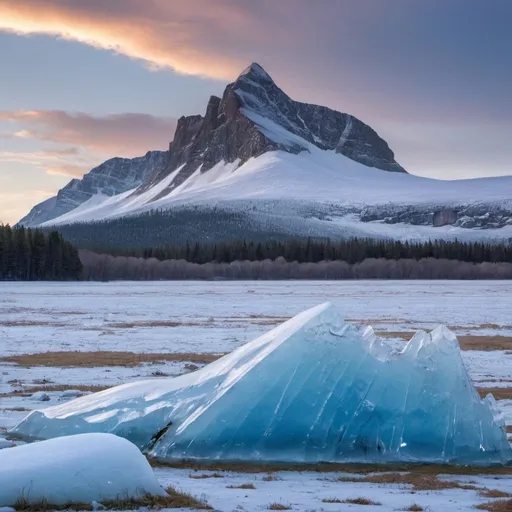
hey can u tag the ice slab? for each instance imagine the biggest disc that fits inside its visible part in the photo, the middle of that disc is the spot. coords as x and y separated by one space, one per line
313 389
75 469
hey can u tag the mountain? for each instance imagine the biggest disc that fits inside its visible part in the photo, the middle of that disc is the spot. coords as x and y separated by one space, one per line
112 177
260 164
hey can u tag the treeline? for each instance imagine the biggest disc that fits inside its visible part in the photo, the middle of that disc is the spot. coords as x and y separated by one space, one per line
31 255
354 250
101 267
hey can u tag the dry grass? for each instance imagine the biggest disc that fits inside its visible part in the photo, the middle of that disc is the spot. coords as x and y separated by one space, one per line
486 343
174 499
498 393
32 323
418 481
242 486
353 501
29 390
271 478
494 493
152 323
202 476
359 469
278 506
103 358
414 508
496 506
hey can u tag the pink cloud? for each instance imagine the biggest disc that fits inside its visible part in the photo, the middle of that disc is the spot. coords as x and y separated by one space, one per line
115 135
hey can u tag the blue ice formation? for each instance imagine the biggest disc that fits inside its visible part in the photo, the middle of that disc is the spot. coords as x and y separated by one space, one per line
314 389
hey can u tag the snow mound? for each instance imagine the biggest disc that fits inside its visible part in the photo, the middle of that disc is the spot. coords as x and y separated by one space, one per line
75 469
313 389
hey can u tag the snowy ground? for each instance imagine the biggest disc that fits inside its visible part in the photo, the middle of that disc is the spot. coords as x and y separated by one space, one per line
216 317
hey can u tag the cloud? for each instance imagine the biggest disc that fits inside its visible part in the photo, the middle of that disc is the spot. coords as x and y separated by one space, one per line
115 135
75 171
63 162
72 151
162 33
397 59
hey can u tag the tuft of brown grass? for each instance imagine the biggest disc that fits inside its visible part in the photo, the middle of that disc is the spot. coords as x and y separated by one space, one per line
496 506
414 508
103 358
242 486
202 476
278 506
22 504
270 478
494 493
173 499
29 390
498 393
353 501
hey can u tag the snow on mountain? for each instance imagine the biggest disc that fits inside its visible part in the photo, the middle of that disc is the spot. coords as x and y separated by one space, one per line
304 169
108 179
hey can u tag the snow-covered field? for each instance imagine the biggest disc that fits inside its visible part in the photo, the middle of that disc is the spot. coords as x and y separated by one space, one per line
138 319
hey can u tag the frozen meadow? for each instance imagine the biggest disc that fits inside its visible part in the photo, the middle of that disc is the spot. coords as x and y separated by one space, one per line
60 340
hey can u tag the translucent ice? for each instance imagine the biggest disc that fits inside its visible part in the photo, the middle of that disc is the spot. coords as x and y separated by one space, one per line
313 389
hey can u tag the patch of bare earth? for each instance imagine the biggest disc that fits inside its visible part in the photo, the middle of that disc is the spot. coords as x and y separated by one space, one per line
174 499
104 358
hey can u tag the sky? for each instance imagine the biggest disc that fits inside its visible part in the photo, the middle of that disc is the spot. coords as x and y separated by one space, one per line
85 80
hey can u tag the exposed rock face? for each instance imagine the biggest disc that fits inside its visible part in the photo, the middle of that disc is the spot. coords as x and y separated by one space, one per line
262 101
481 216
444 217
255 116
112 177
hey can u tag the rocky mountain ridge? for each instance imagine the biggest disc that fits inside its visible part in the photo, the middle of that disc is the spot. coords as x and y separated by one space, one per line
115 176
239 126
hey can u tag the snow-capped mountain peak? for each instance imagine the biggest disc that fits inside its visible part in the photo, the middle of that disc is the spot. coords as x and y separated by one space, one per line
256 150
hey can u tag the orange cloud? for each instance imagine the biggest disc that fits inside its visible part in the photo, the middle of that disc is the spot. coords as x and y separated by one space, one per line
162 33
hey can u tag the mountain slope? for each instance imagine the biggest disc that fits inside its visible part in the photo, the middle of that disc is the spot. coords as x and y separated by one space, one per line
283 167
112 177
